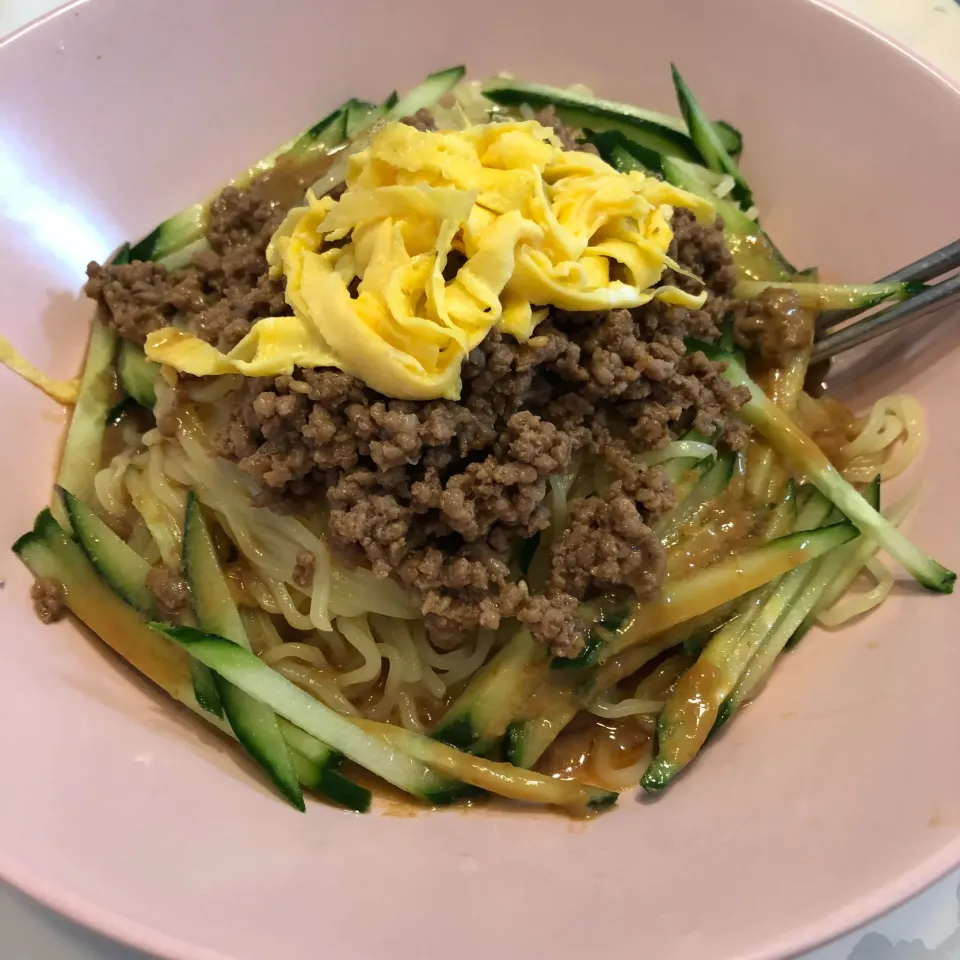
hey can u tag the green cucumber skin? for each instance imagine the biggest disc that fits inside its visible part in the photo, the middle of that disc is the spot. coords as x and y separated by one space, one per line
664 134
121 568
459 733
205 688
776 428
426 93
341 733
138 375
707 141
256 728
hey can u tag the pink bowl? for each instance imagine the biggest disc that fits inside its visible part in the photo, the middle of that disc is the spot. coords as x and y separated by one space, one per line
833 797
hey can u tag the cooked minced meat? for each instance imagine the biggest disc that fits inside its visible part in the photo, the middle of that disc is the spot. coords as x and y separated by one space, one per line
569 137
774 325
305 568
437 494
49 599
421 120
170 588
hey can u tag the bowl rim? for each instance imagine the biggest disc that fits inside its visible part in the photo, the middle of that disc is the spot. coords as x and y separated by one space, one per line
136 935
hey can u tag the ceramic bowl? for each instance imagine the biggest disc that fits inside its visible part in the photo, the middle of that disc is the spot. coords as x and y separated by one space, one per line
831 798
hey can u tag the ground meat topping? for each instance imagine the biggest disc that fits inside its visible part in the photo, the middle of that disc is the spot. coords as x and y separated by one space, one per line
305 568
438 494
774 325
49 599
422 120
606 545
220 295
568 136
170 589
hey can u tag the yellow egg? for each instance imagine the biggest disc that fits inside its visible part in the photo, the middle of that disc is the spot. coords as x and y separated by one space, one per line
529 224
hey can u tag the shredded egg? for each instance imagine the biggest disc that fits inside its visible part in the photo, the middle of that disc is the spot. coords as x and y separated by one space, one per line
438 238
63 391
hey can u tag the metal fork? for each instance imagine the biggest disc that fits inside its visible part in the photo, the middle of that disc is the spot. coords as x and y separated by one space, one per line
829 342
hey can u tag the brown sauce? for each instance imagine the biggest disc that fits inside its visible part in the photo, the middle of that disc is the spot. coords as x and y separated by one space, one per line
573 753
287 180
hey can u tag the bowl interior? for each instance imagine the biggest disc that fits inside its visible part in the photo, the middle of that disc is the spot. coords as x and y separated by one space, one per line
833 796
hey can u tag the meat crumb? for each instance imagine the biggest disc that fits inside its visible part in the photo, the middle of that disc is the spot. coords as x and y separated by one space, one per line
170 588
49 599
305 568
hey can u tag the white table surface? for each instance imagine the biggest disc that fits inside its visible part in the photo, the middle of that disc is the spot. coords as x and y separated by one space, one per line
926 928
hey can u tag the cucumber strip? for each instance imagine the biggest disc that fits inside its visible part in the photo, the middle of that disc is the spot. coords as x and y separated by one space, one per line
190 225
330 783
360 114
796 447
478 718
245 671
707 140
754 253
205 688
183 256
257 727
48 552
82 451
731 578
316 765
624 154
833 296
664 134
426 94
123 569
138 375
798 593
834 582
713 482
254 724
692 711
173 234
213 603
500 778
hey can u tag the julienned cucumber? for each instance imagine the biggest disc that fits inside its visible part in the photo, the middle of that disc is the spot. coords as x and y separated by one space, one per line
625 154
123 569
796 595
708 141
316 765
82 451
49 552
798 449
726 580
833 296
256 726
138 375
478 718
713 482
664 134
681 729
125 572
427 93
754 253
501 778
244 670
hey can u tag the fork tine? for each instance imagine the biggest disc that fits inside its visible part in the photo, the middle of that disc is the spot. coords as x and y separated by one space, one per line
926 268
885 321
